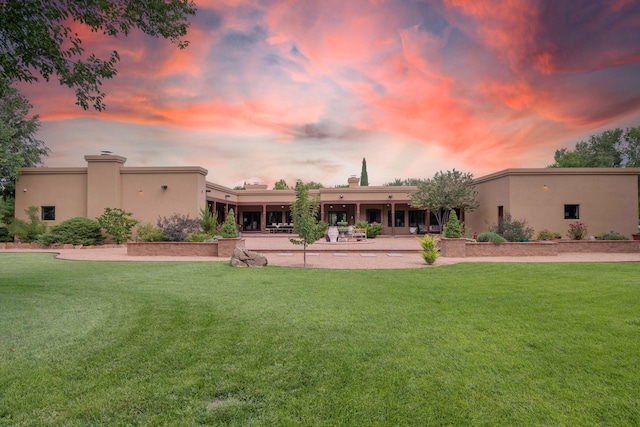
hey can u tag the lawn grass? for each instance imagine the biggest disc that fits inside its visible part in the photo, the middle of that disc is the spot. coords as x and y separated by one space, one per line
105 343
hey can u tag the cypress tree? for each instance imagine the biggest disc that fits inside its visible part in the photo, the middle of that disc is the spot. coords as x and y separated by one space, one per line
364 178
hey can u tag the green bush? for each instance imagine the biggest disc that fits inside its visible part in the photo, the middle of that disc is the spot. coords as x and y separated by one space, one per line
490 236
4 234
150 233
118 224
372 229
201 237
612 236
429 250
453 229
548 235
28 231
229 229
209 222
75 231
513 230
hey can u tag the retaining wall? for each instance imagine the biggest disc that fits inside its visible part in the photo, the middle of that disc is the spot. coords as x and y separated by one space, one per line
460 248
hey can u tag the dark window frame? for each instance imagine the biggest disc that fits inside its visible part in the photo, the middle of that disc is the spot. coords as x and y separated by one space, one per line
571 211
48 213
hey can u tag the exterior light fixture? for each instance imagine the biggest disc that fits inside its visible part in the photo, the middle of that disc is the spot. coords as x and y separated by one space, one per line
140 193
390 196
24 191
164 187
207 191
341 196
545 187
226 196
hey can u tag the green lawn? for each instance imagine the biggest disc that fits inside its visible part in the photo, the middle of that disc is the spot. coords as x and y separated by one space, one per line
104 343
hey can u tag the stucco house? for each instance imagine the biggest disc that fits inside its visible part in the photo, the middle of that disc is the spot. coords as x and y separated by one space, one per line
605 199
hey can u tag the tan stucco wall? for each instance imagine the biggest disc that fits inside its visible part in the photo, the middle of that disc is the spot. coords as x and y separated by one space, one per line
142 192
64 188
608 198
105 182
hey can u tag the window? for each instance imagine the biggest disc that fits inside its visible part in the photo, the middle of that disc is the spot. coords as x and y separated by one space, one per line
416 218
399 220
374 215
48 213
571 211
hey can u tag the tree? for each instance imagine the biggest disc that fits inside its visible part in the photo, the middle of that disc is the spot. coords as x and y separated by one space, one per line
631 148
40 39
403 182
600 152
229 228
312 185
444 192
364 178
304 212
453 230
18 146
118 224
281 185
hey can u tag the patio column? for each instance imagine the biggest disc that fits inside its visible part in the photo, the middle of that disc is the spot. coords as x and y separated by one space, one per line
427 215
322 212
263 220
357 212
393 219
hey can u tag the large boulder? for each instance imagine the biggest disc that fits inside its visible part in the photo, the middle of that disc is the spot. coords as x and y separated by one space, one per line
245 258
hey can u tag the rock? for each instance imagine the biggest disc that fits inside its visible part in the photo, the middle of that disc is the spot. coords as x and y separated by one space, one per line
245 258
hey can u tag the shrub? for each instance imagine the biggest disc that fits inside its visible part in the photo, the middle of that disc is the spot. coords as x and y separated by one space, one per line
577 230
150 233
209 222
28 231
453 229
117 223
513 230
490 236
229 228
4 234
178 227
201 237
612 236
548 235
429 250
372 229
75 231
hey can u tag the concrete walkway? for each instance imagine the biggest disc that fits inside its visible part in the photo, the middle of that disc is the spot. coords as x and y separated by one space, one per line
379 253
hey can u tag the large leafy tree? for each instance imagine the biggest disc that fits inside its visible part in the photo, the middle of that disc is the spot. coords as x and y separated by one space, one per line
281 185
18 146
304 211
601 151
38 38
446 191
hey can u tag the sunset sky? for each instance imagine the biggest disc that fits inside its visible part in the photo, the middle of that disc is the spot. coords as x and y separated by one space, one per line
302 89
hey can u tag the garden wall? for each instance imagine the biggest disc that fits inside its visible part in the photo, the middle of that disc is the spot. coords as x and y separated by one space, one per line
459 248
590 246
223 248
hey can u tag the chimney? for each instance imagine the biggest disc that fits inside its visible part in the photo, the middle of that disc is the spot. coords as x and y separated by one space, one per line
353 181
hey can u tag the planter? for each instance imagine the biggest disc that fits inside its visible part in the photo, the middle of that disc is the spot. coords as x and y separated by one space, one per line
636 236
333 234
